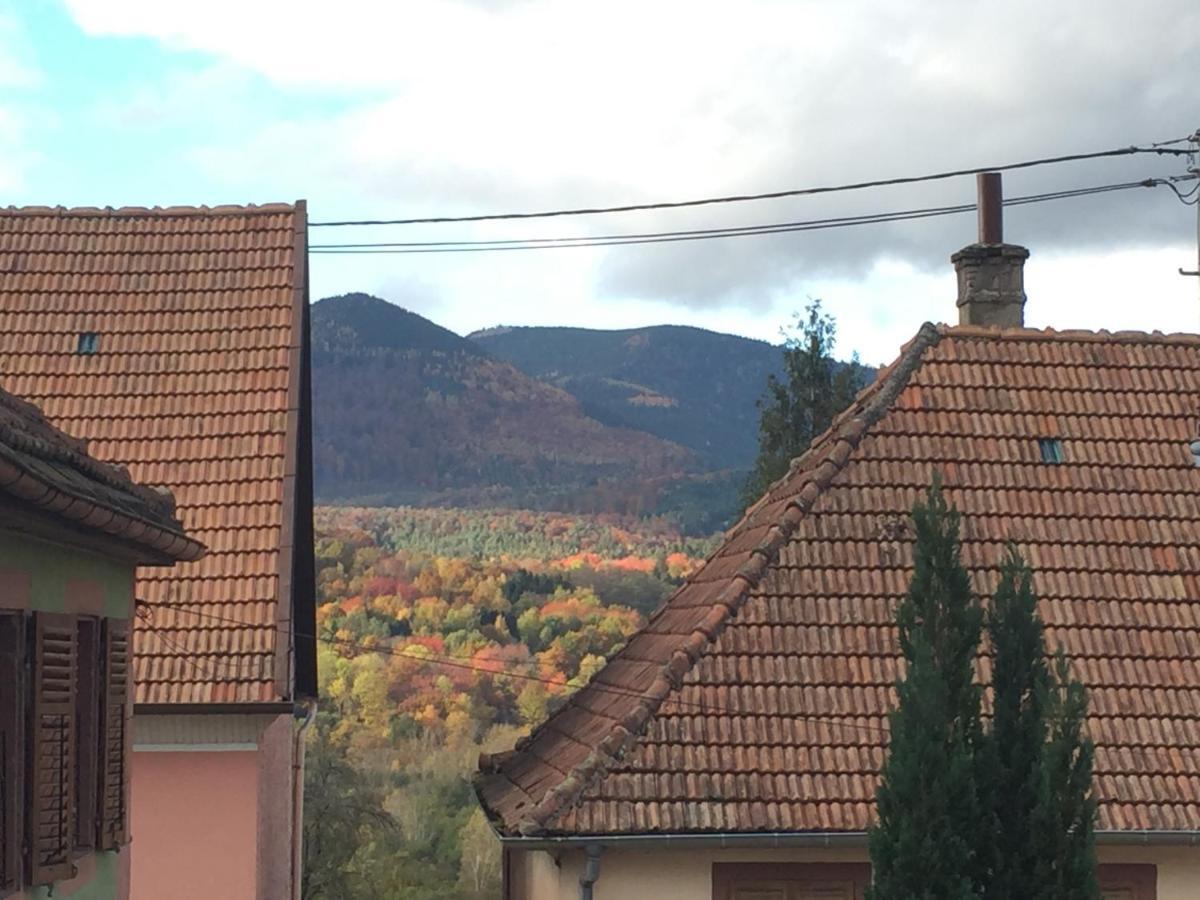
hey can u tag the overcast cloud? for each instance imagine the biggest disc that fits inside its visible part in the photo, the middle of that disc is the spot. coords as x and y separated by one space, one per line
464 107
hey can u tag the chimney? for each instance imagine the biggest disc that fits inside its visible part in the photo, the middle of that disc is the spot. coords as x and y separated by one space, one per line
991 273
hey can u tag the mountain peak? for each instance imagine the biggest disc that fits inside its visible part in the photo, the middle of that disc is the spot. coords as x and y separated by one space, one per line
363 321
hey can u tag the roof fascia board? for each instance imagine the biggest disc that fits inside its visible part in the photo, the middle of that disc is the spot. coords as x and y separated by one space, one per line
773 840
284 662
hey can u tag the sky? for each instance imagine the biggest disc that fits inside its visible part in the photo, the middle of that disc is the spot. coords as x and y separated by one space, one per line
369 109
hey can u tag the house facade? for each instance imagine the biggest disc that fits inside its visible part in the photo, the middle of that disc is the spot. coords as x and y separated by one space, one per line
731 749
175 341
72 533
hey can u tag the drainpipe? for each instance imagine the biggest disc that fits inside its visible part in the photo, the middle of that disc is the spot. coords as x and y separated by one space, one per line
309 709
591 871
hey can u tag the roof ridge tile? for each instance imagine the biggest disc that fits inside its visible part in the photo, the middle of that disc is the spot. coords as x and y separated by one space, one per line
107 212
1078 335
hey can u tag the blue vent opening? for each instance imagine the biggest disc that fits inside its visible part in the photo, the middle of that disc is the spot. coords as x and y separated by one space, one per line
89 343
1051 449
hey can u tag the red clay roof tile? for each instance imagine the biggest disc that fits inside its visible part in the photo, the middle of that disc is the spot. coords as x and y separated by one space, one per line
776 661
197 311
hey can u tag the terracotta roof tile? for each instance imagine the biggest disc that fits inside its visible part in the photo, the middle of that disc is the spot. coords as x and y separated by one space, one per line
756 699
44 467
197 314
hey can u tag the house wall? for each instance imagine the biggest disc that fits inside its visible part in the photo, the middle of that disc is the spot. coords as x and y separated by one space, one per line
42 576
212 807
45 577
682 874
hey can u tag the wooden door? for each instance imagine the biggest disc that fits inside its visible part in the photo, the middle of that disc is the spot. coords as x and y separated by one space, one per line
790 881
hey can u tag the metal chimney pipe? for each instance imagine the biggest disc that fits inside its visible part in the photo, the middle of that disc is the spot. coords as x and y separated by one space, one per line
991 208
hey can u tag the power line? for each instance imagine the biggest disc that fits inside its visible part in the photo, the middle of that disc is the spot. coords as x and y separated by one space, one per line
452 662
1160 148
662 237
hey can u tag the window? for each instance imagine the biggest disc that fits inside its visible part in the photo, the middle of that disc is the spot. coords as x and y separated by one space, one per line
1128 882
89 343
1051 450
790 881
64 728
87 733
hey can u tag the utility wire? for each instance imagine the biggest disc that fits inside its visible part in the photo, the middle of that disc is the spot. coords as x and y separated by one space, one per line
452 662
662 237
1160 148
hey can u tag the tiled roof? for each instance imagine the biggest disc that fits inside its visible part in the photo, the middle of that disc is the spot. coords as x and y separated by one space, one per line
43 468
198 317
756 698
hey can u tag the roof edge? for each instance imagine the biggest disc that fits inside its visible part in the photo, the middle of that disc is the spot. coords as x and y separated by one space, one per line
786 839
23 484
844 434
137 212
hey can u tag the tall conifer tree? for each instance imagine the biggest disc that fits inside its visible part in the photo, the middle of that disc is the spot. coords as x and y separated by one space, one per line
1065 819
926 843
1011 774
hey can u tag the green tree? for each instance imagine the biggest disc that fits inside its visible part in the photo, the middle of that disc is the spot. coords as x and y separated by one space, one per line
1066 815
925 844
479 869
343 811
1012 771
801 405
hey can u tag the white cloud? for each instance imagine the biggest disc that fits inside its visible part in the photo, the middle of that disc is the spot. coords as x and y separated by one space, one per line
18 77
449 107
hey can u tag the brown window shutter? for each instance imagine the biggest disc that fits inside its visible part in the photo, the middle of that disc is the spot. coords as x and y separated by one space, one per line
52 731
12 748
114 735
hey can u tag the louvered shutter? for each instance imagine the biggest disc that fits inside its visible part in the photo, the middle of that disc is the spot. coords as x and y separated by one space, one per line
12 744
114 735
52 733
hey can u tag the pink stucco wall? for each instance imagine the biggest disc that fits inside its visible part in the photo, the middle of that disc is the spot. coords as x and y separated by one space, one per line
195 825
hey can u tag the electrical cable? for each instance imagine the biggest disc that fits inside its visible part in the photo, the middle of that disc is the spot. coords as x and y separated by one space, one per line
609 240
1159 148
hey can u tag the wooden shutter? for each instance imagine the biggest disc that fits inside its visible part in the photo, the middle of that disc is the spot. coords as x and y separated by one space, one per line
52 739
12 748
114 735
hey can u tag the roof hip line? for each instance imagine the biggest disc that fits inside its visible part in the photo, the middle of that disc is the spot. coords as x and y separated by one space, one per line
833 448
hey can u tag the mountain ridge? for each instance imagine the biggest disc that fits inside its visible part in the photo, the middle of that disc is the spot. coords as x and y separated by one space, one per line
406 411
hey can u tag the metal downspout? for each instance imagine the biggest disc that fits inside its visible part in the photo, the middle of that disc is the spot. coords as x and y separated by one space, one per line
591 871
310 713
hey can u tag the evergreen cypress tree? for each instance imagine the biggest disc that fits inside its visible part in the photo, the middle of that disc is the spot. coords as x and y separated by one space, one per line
926 843
1066 815
1011 770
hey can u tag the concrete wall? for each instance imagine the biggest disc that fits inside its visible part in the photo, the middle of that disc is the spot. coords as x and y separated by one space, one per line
212 807
43 576
687 874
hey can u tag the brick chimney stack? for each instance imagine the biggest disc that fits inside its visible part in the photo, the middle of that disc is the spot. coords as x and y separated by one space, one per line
991 273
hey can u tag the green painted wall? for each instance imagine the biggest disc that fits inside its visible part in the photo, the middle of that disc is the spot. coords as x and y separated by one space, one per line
51 567
101 885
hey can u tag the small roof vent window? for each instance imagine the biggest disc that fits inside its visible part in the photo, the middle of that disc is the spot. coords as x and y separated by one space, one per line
1051 450
89 343
1194 446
